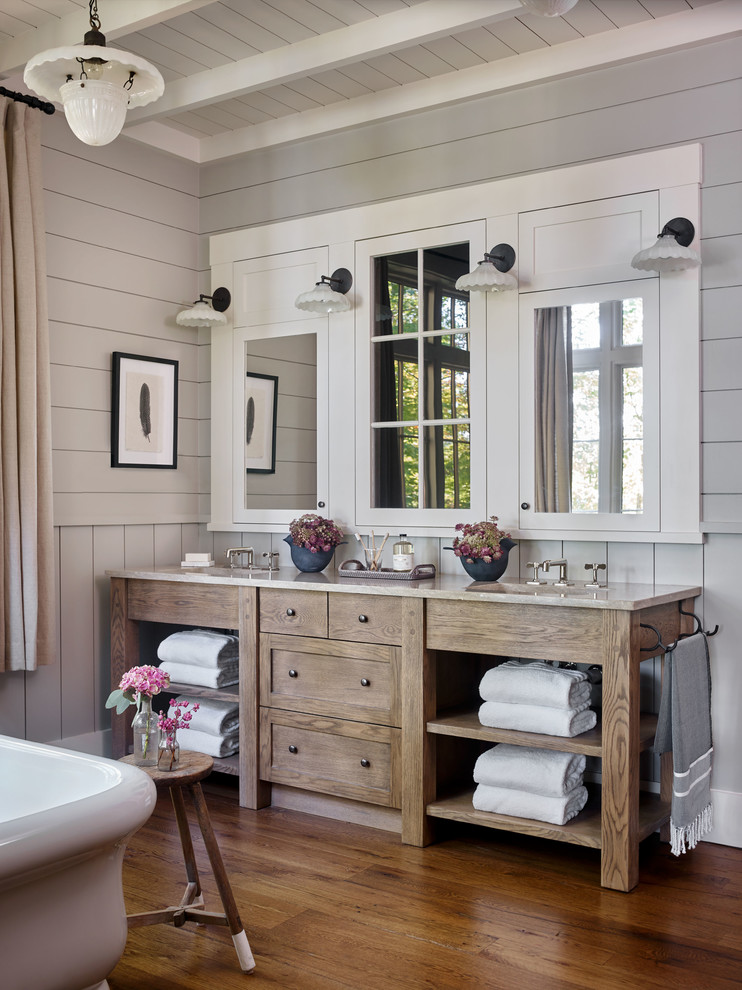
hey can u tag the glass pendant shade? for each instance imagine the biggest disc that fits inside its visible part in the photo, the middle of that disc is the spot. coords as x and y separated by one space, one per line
322 299
666 255
486 278
95 110
200 315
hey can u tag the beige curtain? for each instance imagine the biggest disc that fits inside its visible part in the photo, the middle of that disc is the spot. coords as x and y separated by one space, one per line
27 616
553 412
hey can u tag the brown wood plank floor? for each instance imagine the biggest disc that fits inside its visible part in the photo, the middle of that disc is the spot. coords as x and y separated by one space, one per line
328 905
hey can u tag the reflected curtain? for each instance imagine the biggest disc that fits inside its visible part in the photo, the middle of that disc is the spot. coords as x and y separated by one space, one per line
388 480
27 616
553 409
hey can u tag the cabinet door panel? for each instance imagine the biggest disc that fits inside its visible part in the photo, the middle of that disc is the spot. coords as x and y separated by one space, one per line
295 613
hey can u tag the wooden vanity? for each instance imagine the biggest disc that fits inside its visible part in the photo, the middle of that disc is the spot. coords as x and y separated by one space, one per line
360 697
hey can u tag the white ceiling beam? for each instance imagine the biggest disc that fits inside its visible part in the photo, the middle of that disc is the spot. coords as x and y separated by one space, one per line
671 33
388 33
122 17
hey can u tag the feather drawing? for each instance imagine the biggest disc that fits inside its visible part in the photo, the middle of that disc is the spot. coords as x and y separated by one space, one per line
249 420
145 416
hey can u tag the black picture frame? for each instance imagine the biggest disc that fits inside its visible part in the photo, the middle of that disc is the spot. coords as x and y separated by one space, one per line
260 414
144 411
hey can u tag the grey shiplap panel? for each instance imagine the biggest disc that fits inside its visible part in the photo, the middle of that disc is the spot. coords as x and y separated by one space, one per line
722 509
108 554
91 471
721 362
136 235
722 415
722 154
85 180
168 544
296 444
720 312
722 261
77 625
678 563
722 468
13 704
721 210
82 263
92 347
92 508
120 159
80 429
139 546
80 388
43 694
137 318
630 563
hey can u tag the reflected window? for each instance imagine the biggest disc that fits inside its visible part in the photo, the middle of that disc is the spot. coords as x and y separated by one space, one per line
421 426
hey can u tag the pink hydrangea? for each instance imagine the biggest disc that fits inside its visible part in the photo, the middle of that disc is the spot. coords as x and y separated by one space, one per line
145 680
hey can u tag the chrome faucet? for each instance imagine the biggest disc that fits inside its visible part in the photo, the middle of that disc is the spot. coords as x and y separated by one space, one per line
236 551
536 565
561 581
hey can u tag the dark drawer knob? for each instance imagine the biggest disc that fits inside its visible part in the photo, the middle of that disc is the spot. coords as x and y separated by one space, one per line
293 673
363 618
290 611
293 749
365 682
365 763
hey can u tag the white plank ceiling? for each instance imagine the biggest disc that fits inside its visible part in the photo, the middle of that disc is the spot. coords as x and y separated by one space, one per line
247 74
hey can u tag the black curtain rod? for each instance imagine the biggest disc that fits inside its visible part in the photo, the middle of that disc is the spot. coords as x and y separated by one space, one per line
32 101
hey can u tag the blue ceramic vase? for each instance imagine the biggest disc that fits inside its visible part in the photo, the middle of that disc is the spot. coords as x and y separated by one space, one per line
306 560
480 570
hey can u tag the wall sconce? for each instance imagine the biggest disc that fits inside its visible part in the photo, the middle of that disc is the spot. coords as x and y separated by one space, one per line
204 315
492 274
95 84
670 253
328 295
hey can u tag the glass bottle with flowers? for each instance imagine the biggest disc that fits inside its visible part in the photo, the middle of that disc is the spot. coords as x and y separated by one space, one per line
137 687
313 539
170 722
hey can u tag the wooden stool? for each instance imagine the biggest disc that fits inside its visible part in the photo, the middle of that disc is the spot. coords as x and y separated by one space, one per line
192 769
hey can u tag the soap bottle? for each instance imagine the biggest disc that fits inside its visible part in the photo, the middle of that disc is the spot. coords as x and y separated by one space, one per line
403 552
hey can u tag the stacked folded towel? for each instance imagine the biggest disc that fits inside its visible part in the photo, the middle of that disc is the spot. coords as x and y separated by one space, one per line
200 657
530 783
213 729
536 697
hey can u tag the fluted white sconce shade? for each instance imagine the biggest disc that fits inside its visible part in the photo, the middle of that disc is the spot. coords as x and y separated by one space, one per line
548 8
329 295
492 274
202 314
95 84
670 253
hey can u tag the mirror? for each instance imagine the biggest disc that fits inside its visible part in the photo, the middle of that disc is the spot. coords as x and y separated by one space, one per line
279 410
420 399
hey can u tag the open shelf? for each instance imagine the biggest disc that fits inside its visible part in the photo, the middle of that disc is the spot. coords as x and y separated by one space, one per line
230 693
464 723
583 830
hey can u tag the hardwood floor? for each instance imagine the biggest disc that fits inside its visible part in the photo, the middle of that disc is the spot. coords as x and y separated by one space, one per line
329 906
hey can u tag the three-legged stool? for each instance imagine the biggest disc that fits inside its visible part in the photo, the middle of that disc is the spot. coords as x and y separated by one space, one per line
192 769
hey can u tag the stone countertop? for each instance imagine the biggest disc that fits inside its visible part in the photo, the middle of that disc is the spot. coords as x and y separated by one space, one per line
628 597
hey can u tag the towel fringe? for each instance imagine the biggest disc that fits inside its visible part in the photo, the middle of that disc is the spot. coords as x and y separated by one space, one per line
682 835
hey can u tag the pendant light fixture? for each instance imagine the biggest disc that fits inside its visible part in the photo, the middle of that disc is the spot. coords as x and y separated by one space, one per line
95 84
492 274
328 295
201 314
670 252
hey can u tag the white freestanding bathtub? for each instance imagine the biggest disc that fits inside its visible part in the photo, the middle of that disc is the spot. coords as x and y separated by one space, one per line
64 821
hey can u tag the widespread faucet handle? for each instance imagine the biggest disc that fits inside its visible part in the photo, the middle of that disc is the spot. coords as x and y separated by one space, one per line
272 559
536 565
595 568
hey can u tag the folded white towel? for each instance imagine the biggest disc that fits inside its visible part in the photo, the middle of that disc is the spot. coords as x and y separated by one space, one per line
542 771
200 647
524 804
538 718
535 683
205 742
213 677
218 718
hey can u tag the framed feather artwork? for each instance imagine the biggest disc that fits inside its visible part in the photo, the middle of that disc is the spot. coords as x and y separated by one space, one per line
144 411
261 408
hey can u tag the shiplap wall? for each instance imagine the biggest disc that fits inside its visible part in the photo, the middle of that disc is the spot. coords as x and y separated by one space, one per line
674 99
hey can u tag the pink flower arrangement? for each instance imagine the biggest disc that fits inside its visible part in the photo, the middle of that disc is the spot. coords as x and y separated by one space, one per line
137 683
479 541
315 533
176 718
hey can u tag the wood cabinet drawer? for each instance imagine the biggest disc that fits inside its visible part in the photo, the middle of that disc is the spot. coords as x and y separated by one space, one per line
540 632
345 759
366 618
294 613
345 680
178 601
